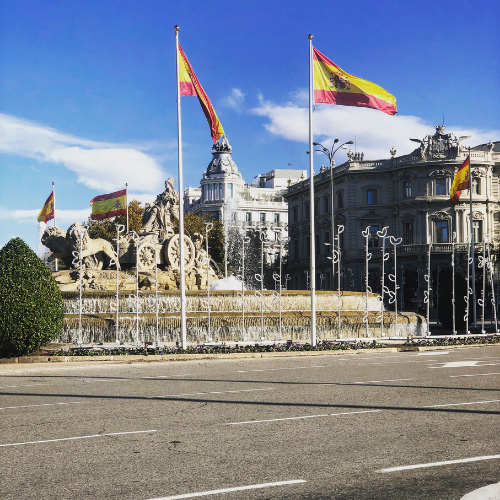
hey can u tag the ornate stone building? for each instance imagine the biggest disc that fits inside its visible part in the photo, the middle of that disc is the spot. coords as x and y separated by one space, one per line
407 194
225 195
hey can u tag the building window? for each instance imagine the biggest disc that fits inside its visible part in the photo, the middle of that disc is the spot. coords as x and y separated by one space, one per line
340 199
296 249
317 245
442 231
262 218
373 237
230 190
221 191
326 204
371 197
248 217
477 226
476 185
407 189
327 237
440 187
277 236
316 208
308 246
210 191
295 213
276 219
408 233
307 211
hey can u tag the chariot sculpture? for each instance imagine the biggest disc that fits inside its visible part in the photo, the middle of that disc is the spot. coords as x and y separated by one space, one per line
156 243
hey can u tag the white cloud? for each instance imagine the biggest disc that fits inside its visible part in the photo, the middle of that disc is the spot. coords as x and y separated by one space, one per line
98 165
375 132
29 216
234 100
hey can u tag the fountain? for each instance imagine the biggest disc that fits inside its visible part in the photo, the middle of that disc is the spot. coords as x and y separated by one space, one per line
139 302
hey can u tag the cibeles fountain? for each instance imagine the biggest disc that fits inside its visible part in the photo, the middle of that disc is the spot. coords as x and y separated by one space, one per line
128 292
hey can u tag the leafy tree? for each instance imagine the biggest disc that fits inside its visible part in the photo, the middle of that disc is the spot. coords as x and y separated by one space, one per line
106 229
195 224
31 306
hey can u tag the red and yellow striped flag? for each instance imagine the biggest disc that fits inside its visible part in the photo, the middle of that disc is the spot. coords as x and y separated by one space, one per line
109 205
189 85
47 212
333 85
461 181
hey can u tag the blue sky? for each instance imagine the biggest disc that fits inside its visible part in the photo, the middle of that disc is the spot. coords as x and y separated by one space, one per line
88 99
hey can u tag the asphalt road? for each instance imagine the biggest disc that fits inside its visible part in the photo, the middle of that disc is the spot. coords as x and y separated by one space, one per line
321 427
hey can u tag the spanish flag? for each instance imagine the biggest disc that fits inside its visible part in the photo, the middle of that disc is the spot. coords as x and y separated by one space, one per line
189 85
461 181
47 212
333 85
109 205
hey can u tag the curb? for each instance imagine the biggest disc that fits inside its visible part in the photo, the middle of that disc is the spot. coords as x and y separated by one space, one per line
134 358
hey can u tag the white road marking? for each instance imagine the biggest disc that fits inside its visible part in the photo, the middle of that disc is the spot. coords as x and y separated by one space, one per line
205 393
276 369
432 353
44 404
227 490
475 375
393 362
459 364
437 464
388 380
489 492
78 437
305 416
459 404
12 386
170 376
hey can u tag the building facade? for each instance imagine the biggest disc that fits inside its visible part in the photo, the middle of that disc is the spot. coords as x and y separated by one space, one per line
408 195
225 196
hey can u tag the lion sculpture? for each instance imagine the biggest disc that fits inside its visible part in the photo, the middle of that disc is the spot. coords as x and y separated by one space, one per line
97 253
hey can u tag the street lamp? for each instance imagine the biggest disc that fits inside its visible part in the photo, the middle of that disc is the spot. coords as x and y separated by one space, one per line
330 153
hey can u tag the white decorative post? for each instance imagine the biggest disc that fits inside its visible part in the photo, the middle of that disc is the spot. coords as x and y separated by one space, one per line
427 277
368 256
385 256
393 296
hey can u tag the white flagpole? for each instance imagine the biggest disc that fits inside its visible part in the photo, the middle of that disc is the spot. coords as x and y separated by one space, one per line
54 201
311 197
181 205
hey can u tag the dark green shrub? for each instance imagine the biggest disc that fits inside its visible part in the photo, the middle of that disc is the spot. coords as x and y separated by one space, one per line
31 306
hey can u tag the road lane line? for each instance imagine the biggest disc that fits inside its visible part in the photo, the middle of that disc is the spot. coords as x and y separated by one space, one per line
305 416
459 404
475 375
437 464
45 404
78 437
205 393
227 490
11 386
276 369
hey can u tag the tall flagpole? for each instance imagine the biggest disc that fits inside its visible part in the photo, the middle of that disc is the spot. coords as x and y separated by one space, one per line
311 198
54 202
472 246
181 190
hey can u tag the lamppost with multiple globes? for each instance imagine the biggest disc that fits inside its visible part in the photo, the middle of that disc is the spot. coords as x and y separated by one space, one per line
330 153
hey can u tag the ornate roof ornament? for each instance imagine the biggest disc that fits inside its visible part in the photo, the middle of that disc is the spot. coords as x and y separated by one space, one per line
440 146
222 145
222 161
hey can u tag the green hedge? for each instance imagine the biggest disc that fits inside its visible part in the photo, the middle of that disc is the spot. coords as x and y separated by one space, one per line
31 306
